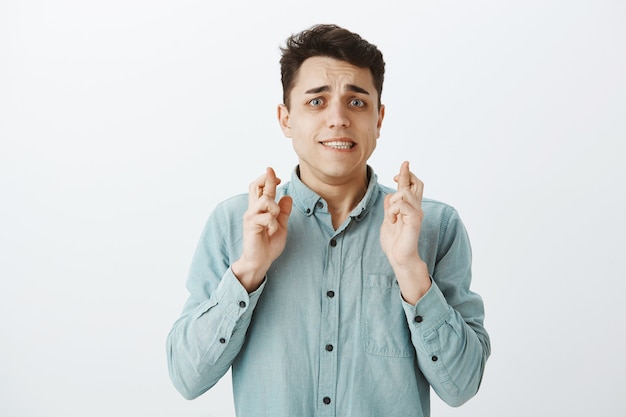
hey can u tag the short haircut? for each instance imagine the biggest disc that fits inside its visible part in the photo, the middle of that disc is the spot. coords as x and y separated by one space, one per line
334 42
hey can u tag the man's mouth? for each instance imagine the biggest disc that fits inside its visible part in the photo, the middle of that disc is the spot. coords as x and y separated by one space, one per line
339 144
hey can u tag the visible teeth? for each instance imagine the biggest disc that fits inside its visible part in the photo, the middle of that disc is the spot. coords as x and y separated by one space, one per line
339 144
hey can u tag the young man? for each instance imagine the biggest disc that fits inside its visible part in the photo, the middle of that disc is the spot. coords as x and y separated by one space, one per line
331 295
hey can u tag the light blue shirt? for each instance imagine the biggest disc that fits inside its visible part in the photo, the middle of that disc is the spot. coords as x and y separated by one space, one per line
328 333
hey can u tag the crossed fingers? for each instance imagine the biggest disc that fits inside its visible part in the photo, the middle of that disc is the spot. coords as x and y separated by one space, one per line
261 201
407 201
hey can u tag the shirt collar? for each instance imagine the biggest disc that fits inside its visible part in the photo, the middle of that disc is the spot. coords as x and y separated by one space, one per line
307 201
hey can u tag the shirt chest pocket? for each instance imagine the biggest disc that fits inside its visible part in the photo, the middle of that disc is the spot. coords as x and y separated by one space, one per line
384 328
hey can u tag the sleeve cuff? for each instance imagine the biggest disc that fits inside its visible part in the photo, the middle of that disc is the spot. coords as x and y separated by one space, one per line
233 299
429 312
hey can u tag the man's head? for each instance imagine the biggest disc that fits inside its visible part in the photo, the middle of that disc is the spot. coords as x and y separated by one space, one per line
332 111
334 42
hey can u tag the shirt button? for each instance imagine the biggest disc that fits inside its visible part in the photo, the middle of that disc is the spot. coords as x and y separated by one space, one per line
222 340
434 358
329 347
326 400
333 243
308 211
330 294
242 304
319 205
418 319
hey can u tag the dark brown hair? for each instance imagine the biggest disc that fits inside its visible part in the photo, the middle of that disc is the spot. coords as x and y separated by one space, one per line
334 42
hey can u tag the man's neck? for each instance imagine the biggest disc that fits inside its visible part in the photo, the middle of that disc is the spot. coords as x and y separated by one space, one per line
341 197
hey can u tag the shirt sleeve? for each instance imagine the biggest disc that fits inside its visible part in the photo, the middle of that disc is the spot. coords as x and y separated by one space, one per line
446 324
210 332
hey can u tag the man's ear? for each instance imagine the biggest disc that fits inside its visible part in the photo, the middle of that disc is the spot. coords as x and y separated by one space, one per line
381 116
283 120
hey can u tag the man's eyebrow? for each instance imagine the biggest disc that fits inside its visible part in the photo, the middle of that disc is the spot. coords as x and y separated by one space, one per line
357 89
318 90
325 88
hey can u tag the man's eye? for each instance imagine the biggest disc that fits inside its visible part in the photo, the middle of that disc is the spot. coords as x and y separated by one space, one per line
357 102
316 102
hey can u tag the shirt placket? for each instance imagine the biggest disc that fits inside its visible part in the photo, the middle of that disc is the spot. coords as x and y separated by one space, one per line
329 331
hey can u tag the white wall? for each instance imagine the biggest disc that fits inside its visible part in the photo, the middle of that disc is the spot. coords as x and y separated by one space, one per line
122 123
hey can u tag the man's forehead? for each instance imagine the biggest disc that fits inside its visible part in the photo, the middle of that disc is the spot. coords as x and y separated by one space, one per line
318 72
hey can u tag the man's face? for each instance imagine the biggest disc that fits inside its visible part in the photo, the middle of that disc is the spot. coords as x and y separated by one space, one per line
334 121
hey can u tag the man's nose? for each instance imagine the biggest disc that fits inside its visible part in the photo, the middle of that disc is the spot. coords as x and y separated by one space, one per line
338 116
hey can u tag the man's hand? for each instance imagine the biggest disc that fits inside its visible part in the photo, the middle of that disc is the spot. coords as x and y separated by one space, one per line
264 230
399 235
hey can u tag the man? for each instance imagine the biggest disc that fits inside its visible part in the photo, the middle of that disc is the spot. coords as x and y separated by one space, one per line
331 295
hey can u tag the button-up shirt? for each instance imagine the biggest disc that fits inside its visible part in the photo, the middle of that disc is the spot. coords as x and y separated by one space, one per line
328 333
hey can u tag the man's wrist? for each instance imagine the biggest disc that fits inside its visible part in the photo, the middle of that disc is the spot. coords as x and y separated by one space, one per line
249 277
414 281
